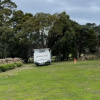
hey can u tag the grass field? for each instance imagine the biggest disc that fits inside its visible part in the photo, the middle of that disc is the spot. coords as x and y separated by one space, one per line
58 81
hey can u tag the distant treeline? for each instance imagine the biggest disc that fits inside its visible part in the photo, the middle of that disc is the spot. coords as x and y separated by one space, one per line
21 33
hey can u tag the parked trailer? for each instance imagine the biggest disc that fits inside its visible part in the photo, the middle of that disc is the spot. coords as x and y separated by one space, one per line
42 56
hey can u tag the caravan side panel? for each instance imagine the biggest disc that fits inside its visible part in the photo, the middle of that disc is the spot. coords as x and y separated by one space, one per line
42 56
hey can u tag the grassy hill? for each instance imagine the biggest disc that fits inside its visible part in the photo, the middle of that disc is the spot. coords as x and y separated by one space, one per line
58 81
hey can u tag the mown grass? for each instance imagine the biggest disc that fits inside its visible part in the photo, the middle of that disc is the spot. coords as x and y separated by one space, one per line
58 81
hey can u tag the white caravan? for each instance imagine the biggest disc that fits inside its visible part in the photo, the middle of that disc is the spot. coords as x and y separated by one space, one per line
42 56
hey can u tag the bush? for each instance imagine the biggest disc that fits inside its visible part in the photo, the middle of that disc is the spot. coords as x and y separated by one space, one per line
18 64
91 57
4 67
53 58
31 60
8 66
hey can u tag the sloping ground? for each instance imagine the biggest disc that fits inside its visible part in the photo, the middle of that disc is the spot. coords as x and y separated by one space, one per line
58 81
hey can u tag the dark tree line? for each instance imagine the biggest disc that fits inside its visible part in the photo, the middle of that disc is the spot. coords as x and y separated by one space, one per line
20 33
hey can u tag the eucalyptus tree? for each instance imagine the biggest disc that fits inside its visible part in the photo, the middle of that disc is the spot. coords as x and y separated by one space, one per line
92 41
81 38
33 32
16 21
61 36
90 25
24 37
6 41
7 8
97 29
23 28
42 24
86 39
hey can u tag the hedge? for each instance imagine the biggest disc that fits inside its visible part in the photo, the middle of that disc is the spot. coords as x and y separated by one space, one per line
8 66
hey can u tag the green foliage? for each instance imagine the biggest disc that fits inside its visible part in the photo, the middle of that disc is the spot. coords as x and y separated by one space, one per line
18 64
7 8
6 41
92 41
8 66
61 36
4 67
31 60
21 33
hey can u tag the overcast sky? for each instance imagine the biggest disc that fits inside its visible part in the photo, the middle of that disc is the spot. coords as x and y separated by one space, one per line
81 11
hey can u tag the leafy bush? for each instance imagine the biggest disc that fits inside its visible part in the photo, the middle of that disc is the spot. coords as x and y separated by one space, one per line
31 60
18 64
53 58
8 66
4 67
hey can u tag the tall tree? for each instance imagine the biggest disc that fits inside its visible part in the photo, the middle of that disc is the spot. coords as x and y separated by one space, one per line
6 40
61 36
6 33
92 41
7 8
42 25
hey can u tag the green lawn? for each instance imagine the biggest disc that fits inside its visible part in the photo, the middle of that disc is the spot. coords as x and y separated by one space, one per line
58 81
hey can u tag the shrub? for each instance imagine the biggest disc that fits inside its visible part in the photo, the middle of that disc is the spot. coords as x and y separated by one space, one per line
4 67
18 64
54 58
91 57
31 60
10 63
8 66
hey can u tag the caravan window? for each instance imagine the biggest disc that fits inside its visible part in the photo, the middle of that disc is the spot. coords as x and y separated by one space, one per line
41 50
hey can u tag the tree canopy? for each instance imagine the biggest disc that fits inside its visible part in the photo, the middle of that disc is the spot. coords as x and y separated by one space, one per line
21 32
